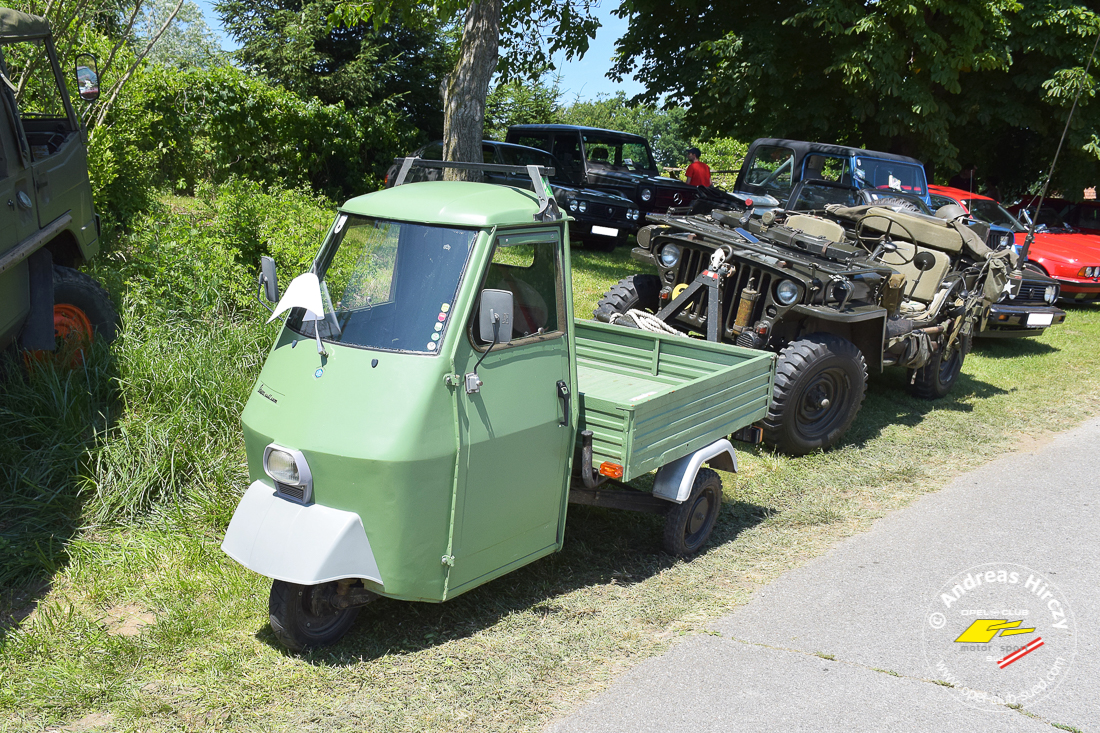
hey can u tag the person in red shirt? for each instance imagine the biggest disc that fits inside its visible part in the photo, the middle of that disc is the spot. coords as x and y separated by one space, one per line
698 172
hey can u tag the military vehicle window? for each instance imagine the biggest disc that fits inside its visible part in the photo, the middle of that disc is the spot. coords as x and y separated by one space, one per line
890 174
42 111
826 168
770 170
527 266
396 283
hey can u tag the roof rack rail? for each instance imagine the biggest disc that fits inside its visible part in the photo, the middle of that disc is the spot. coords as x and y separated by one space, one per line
548 207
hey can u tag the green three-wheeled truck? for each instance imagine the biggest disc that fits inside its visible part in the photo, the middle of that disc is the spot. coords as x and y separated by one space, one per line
430 407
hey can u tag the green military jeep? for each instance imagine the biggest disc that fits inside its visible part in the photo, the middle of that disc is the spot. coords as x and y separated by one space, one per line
49 225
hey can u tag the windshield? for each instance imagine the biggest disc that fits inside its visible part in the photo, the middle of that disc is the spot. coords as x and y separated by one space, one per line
395 283
990 212
890 174
614 152
530 156
770 171
812 196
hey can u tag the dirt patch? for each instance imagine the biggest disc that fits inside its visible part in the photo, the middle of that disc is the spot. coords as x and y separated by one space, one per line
127 620
91 721
1033 442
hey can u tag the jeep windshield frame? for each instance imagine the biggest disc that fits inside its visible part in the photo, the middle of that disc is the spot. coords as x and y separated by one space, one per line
395 282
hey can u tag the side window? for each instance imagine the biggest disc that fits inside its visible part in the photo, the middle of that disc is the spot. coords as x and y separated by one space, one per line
567 150
826 168
527 265
533 141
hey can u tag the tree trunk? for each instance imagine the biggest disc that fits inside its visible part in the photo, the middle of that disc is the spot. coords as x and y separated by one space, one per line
468 86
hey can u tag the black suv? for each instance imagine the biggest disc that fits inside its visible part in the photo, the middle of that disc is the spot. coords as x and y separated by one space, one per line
601 220
616 162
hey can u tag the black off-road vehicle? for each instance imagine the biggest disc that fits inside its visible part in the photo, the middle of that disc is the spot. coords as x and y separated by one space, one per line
608 160
833 292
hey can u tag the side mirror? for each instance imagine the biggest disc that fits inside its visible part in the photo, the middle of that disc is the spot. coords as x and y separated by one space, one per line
495 323
269 279
87 77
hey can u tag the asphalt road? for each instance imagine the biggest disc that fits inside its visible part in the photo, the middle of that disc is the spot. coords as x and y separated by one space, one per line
862 638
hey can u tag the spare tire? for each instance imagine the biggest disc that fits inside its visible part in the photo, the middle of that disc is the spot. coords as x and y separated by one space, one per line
641 292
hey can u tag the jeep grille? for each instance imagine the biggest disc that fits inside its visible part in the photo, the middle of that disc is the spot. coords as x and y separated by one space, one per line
694 261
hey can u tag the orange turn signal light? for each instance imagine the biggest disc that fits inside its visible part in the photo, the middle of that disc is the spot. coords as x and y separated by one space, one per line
611 470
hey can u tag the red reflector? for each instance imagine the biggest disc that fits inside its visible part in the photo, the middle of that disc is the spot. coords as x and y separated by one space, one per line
611 470
748 202
762 330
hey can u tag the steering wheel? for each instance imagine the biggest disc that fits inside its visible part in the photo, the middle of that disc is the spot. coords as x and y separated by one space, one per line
884 237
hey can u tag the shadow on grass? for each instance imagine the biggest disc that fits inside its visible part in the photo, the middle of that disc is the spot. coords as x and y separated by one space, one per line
602 546
1010 348
49 418
888 402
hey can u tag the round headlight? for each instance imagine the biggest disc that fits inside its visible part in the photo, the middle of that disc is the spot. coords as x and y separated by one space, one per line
583 206
637 215
572 204
646 194
282 467
1051 293
786 292
670 255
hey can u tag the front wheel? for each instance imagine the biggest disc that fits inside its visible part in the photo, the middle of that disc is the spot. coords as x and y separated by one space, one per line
303 618
820 382
936 378
688 525
82 307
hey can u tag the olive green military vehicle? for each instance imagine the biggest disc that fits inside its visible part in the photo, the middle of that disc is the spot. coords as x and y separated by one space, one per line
834 292
49 226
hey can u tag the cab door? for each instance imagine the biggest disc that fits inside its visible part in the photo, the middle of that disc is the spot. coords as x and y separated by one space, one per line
517 431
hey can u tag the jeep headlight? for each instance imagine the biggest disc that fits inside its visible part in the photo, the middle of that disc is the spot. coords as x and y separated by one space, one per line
786 292
1051 294
646 194
670 255
582 206
288 468
632 214
572 204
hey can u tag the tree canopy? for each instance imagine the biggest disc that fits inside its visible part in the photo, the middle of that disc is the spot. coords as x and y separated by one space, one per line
948 81
290 42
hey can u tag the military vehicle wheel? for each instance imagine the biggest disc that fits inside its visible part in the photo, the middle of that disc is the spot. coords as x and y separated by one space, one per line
82 307
688 525
641 292
936 378
819 386
303 619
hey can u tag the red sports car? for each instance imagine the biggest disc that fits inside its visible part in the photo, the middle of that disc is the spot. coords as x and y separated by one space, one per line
1069 256
1067 246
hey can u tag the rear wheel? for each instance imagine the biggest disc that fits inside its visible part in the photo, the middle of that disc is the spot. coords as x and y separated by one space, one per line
303 618
820 382
936 378
688 525
640 292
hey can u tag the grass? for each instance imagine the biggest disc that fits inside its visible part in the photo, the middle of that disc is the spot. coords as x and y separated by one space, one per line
197 652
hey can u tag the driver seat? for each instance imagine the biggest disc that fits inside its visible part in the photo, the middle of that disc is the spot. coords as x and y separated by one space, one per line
919 284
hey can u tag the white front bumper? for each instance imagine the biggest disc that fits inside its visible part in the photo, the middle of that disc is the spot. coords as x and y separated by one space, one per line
305 544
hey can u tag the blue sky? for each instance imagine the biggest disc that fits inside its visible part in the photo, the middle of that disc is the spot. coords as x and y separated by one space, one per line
585 78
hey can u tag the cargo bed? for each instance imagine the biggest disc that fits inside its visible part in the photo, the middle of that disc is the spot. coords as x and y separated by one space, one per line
652 398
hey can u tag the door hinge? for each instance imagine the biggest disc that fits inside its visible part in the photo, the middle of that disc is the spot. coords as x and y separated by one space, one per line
448 560
452 380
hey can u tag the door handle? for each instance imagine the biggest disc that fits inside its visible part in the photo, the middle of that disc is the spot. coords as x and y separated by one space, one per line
563 395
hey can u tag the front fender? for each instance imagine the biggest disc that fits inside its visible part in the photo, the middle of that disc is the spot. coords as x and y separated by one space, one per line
304 544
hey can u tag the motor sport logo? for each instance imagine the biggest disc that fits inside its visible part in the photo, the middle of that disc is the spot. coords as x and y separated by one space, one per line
999 634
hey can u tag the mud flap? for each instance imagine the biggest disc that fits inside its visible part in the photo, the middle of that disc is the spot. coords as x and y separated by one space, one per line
38 332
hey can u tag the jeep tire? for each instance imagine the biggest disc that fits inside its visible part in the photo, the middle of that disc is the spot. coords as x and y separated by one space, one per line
820 382
936 378
77 290
641 292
